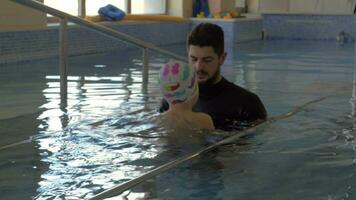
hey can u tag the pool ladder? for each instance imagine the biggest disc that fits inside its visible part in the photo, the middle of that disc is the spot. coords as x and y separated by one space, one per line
63 42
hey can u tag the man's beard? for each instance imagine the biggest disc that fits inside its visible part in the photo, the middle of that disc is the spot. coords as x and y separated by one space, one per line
212 79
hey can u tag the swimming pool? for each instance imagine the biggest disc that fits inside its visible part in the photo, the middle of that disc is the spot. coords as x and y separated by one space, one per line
107 134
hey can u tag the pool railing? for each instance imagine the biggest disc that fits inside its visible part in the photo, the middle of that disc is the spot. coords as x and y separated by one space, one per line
63 42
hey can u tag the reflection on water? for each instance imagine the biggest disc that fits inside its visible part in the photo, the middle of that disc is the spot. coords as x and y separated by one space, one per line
89 145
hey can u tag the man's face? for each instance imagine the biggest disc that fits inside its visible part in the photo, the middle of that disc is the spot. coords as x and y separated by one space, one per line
206 63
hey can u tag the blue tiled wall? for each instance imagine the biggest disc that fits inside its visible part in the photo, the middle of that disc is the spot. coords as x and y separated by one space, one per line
248 30
308 27
36 44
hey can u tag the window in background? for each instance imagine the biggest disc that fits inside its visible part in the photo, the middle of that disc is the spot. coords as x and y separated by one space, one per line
70 6
92 6
148 6
240 3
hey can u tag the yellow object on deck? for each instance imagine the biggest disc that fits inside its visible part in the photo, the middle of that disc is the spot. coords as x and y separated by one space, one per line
96 18
142 18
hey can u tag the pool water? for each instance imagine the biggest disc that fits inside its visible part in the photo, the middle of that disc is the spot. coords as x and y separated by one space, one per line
107 134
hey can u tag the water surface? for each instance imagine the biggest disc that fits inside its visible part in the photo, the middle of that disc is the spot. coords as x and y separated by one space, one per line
106 135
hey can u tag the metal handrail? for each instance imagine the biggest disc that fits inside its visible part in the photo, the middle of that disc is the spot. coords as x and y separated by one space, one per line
118 189
98 28
63 51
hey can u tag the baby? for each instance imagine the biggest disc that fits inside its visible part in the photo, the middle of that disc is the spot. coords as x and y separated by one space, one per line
178 84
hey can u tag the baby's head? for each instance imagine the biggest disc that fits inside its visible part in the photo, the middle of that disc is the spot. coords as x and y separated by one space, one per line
178 82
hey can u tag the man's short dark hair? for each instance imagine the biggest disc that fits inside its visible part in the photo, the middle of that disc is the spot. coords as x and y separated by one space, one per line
207 34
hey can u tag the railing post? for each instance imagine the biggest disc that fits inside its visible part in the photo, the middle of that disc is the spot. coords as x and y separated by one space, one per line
82 8
353 96
128 7
145 66
63 60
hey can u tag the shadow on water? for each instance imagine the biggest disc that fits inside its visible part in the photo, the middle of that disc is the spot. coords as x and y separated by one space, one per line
20 162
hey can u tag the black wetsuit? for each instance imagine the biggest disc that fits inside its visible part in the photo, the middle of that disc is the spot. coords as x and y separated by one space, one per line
230 106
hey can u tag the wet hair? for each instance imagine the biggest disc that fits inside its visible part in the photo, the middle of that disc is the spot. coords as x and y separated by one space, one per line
207 34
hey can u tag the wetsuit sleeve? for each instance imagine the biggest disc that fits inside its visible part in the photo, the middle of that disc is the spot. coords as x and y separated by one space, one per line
163 106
